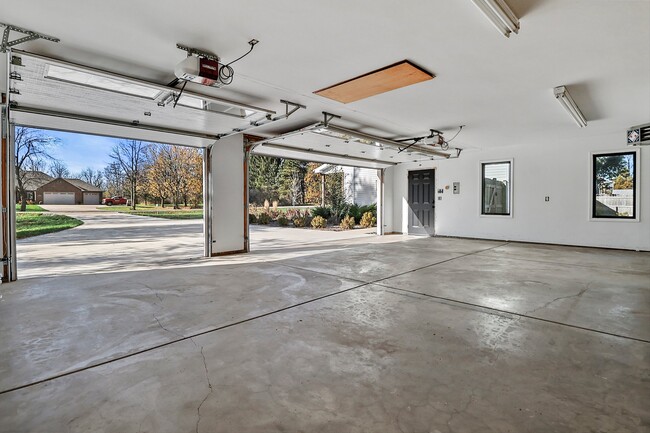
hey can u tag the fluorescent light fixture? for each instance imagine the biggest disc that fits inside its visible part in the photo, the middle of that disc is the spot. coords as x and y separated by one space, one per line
563 96
100 82
500 14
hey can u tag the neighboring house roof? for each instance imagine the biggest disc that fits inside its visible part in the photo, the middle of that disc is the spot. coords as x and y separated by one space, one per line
84 186
77 183
35 180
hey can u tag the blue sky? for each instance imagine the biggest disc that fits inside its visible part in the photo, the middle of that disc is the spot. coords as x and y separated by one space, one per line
79 151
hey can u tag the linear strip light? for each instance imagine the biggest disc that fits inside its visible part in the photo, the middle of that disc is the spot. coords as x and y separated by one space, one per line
563 96
344 132
500 14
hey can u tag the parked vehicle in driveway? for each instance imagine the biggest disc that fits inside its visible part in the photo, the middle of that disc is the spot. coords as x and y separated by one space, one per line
110 201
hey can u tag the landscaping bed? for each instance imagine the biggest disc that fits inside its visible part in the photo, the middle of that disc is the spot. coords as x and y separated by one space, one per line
344 217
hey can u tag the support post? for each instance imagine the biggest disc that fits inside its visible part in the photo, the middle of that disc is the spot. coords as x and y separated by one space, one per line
380 202
322 189
207 202
8 193
247 158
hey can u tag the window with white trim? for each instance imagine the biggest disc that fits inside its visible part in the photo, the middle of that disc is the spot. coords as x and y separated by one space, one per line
496 188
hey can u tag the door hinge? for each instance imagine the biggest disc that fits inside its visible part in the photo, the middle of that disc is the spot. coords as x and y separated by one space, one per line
6 260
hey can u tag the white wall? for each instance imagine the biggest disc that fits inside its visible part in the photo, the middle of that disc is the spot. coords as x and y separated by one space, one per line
389 201
228 195
558 170
360 185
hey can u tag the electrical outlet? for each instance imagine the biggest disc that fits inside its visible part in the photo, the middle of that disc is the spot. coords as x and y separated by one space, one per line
547 198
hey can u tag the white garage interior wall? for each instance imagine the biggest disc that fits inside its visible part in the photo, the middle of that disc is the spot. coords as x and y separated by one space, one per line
559 170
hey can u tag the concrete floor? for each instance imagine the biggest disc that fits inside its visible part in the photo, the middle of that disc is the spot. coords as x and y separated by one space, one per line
390 334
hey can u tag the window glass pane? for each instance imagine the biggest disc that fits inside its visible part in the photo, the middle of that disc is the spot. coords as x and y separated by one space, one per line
496 188
614 185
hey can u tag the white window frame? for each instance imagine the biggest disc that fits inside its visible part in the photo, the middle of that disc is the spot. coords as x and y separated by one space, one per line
637 184
510 187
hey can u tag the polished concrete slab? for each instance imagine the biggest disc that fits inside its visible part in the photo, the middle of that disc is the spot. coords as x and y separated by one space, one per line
596 297
371 359
391 334
51 326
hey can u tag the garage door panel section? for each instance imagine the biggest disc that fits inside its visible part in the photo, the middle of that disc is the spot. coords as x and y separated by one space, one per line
44 85
91 198
59 123
58 198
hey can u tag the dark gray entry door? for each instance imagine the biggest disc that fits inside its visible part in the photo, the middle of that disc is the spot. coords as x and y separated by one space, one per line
421 202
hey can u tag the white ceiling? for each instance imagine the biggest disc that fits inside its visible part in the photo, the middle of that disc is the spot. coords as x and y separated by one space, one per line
500 88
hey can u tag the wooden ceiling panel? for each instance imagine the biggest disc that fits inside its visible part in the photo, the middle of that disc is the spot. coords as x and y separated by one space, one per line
396 76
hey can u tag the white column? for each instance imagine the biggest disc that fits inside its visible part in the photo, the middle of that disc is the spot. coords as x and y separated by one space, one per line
227 198
387 200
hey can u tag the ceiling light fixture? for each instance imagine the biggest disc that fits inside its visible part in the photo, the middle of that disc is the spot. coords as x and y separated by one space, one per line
563 96
500 14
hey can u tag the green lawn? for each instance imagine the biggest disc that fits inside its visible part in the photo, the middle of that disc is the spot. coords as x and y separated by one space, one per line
171 214
127 208
31 208
150 210
34 224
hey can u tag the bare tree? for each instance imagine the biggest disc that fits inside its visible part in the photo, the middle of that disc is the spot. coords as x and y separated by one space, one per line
32 146
58 169
131 156
93 177
114 179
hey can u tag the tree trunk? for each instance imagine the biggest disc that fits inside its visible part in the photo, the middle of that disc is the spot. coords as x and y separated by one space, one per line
133 195
23 195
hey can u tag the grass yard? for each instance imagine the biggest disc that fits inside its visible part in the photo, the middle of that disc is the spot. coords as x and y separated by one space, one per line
149 210
171 214
30 224
30 208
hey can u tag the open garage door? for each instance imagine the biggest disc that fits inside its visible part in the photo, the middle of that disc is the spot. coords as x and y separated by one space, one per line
52 94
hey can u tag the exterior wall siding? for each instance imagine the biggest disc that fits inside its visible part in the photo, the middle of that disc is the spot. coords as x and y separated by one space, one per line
59 185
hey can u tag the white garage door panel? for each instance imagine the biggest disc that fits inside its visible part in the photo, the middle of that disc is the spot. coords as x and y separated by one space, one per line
91 198
58 197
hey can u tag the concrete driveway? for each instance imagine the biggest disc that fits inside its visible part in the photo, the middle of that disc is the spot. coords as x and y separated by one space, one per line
74 208
111 242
